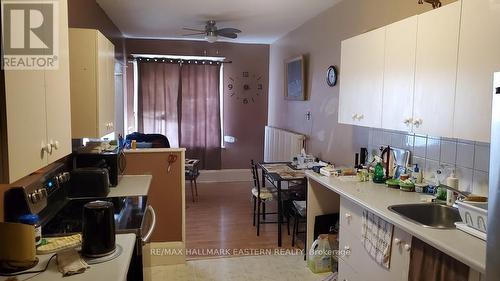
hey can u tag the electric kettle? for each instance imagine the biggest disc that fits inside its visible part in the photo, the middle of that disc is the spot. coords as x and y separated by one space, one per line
98 229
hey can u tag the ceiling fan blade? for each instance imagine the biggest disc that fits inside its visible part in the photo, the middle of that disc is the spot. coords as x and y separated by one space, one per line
193 34
229 30
228 35
193 29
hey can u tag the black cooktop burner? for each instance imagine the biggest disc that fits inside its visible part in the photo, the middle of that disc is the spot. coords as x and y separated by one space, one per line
128 212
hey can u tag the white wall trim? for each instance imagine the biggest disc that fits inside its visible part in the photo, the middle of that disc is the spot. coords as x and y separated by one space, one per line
227 175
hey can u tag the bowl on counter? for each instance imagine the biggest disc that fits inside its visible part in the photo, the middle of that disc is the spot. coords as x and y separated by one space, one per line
407 186
392 183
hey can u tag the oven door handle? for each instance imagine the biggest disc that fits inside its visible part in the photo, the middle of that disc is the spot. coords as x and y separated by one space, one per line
148 235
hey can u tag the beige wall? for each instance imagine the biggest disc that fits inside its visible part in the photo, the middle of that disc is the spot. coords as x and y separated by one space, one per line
245 122
319 39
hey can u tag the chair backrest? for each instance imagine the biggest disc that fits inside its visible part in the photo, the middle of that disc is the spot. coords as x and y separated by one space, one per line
255 174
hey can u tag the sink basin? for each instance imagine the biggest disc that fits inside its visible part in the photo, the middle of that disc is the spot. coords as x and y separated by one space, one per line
428 214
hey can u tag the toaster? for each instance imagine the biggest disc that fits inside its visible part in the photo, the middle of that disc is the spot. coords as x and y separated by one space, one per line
89 182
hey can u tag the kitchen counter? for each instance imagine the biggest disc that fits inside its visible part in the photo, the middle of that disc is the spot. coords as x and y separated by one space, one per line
377 197
131 185
154 150
112 270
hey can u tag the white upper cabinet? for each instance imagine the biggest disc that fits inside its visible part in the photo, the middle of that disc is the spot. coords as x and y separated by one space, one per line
26 123
92 83
58 96
399 74
361 83
478 58
435 75
38 126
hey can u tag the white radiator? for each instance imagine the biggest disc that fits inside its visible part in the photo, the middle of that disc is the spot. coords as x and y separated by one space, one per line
282 145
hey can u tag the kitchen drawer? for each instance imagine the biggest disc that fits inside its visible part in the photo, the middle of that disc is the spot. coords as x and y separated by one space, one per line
346 272
351 216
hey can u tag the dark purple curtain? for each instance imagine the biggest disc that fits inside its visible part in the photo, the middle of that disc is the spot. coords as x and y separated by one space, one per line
158 98
182 103
200 130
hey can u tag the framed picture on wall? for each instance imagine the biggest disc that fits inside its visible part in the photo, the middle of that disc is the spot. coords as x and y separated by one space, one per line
295 79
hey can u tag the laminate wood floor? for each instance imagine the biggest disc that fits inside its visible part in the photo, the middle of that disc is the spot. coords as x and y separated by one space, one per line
222 219
256 268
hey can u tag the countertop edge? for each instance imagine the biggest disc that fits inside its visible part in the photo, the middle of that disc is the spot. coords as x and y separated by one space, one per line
410 227
154 150
127 241
132 185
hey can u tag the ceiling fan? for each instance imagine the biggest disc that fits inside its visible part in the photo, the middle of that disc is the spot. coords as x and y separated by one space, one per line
212 33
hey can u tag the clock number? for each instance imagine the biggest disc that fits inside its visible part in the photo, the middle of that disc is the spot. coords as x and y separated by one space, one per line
246 87
230 86
245 101
245 74
259 87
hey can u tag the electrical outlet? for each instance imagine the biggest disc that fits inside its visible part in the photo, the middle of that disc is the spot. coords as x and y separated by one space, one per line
229 139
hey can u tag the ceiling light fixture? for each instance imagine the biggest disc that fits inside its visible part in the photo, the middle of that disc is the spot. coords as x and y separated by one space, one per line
211 37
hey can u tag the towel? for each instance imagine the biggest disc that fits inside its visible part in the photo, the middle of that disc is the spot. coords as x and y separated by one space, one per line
376 237
70 263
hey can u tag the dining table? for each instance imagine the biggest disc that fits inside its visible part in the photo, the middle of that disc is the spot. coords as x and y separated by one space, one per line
278 173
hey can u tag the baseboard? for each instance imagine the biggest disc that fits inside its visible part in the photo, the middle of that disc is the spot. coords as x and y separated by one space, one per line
227 175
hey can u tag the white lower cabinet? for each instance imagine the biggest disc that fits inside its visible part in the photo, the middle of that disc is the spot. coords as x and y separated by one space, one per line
359 265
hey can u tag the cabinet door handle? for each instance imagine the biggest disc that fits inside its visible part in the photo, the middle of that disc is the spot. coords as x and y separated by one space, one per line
354 116
54 144
347 248
407 247
397 241
46 148
408 121
361 116
348 216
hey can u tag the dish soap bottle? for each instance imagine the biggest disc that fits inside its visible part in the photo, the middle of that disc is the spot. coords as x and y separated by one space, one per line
320 255
451 181
378 173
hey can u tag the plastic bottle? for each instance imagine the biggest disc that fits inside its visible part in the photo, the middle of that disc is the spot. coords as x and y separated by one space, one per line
451 181
35 222
378 173
320 255
416 175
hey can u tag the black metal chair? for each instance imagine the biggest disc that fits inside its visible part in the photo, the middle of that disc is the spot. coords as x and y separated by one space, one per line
299 214
261 196
191 175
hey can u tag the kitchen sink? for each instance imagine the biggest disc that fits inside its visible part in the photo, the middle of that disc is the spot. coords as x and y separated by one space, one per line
431 215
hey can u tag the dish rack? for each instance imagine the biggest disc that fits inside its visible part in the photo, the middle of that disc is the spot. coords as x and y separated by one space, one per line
474 216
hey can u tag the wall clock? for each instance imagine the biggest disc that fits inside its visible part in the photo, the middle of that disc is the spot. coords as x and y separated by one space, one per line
331 76
246 87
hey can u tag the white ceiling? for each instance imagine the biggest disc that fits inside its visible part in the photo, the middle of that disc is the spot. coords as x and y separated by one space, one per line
262 21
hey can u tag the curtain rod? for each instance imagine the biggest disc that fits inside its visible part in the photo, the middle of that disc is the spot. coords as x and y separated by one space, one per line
176 61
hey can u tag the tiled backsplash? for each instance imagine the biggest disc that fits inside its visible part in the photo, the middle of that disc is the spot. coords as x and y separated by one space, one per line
470 159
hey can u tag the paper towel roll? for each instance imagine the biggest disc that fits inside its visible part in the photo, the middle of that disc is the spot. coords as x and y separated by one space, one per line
17 242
